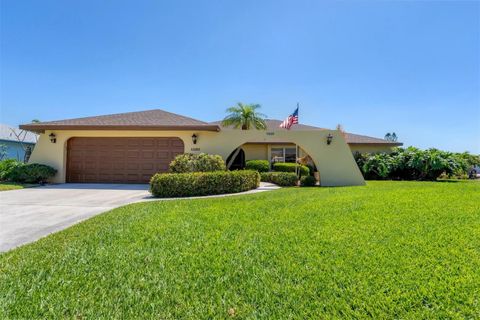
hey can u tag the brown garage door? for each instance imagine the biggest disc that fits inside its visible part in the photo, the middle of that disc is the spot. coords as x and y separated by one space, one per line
119 160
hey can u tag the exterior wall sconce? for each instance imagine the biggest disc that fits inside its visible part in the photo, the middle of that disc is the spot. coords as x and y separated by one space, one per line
329 138
194 138
53 137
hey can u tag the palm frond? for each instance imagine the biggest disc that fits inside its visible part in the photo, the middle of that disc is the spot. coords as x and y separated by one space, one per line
245 116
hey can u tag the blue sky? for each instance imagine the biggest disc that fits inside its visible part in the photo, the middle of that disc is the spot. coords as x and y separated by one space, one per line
374 67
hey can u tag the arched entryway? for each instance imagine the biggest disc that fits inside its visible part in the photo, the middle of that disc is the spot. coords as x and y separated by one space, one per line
236 160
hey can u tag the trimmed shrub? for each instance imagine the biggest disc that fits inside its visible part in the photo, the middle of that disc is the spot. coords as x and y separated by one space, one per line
6 167
166 185
258 165
290 167
189 162
31 173
308 181
284 179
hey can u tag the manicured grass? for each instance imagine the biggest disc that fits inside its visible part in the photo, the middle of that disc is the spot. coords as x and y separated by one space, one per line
5 186
407 250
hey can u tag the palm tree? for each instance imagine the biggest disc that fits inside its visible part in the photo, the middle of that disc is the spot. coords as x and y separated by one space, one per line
245 116
391 137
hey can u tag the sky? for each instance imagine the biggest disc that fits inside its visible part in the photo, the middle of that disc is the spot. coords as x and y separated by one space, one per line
411 67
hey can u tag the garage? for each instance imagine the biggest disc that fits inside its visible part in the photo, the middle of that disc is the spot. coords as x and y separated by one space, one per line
119 160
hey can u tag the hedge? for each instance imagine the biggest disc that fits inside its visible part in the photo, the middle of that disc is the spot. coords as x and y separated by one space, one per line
290 167
7 166
284 179
31 173
258 165
170 185
308 181
189 162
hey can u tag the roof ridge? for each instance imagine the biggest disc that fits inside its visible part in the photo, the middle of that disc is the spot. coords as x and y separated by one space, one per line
176 114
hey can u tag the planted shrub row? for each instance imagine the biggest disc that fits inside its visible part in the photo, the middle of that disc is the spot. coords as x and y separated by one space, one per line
169 185
284 179
15 171
258 165
290 167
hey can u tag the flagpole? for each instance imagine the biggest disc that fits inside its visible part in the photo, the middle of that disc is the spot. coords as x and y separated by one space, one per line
296 160
296 150
297 171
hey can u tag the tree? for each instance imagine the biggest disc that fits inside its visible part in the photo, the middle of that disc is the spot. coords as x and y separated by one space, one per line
391 137
245 116
20 136
3 151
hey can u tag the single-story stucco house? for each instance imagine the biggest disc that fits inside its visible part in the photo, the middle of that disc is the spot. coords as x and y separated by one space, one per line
16 144
131 147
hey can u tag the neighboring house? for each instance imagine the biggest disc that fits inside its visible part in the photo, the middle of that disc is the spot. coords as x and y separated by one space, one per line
131 147
14 142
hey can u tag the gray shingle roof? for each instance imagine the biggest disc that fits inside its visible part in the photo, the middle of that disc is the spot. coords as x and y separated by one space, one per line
361 139
141 120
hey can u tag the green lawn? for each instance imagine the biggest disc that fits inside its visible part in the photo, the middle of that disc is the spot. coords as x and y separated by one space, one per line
406 250
5 186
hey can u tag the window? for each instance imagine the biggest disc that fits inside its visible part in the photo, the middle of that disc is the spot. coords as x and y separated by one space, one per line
290 155
287 154
277 155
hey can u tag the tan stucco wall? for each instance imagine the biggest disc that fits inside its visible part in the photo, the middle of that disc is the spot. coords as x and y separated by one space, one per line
369 148
335 161
255 151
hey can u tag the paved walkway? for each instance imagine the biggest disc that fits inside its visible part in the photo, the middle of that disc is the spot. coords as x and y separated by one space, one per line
26 215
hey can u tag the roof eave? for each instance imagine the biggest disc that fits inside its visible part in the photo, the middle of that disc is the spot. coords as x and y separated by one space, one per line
39 128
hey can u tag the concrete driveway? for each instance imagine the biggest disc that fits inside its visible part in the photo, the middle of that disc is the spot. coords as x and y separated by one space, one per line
26 215
29 214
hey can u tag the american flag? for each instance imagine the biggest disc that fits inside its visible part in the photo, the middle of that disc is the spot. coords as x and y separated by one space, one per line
291 120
